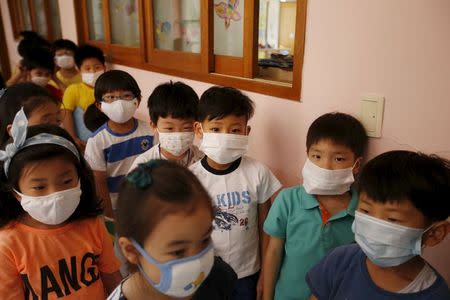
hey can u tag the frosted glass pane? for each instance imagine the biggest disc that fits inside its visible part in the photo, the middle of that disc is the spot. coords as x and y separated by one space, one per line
95 19
26 15
229 27
40 17
177 25
56 23
124 16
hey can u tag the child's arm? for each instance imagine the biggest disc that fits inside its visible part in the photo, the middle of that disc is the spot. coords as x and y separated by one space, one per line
272 262
110 281
102 191
263 210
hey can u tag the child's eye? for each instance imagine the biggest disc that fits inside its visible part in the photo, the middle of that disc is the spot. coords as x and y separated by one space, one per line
178 253
365 211
214 129
68 181
392 220
169 128
38 188
236 130
315 156
340 159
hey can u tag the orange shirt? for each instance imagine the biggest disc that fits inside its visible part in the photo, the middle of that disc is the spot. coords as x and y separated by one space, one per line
62 263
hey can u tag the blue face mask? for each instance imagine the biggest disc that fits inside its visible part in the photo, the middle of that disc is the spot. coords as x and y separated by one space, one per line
180 277
386 244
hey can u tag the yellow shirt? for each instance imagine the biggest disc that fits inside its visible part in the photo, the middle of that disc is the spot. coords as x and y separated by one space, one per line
78 95
66 80
69 80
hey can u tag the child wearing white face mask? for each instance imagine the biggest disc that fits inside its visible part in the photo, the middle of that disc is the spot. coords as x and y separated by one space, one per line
173 109
53 243
117 143
64 52
403 208
164 218
40 65
240 186
306 222
79 96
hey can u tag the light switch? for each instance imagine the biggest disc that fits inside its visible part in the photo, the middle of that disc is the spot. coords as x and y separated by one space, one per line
372 109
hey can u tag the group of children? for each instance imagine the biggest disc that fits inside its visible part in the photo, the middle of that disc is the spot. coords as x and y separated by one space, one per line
198 222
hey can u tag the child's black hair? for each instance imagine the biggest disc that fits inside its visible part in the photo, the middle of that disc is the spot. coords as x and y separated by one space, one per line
341 129
154 190
177 100
10 208
115 80
88 51
27 95
39 58
30 41
94 118
64 44
397 176
218 102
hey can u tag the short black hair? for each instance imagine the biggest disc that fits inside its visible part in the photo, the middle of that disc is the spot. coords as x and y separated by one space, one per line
30 41
10 209
88 51
27 95
94 118
400 175
115 80
39 58
341 129
218 102
177 100
64 44
171 188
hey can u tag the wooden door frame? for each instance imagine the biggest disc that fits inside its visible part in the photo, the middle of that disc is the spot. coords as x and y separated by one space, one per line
4 57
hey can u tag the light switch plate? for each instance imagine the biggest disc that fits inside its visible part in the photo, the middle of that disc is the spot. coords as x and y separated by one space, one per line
372 110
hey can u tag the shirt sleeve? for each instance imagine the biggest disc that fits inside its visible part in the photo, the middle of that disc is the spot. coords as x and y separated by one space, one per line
94 155
11 284
324 275
70 98
268 184
276 221
108 262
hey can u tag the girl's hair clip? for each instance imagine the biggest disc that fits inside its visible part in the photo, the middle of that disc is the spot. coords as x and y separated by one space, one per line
141 176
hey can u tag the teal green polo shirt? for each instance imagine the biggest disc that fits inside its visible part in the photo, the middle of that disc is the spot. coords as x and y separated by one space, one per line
295 217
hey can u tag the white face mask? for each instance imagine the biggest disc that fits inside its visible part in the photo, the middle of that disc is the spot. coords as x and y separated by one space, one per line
52 209
179 278
319 181
176 143
386 244
91 78
120 111
40 80
224 148
65 61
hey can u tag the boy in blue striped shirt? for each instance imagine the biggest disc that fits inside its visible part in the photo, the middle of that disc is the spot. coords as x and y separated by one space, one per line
115 145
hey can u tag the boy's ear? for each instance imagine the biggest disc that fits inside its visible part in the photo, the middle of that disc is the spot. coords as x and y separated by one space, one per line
436 234
357 167
249 128
98 105
128 250
198 130
8 129
153 125
18 198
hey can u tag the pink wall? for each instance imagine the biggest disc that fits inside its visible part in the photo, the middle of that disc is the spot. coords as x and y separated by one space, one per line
399 49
